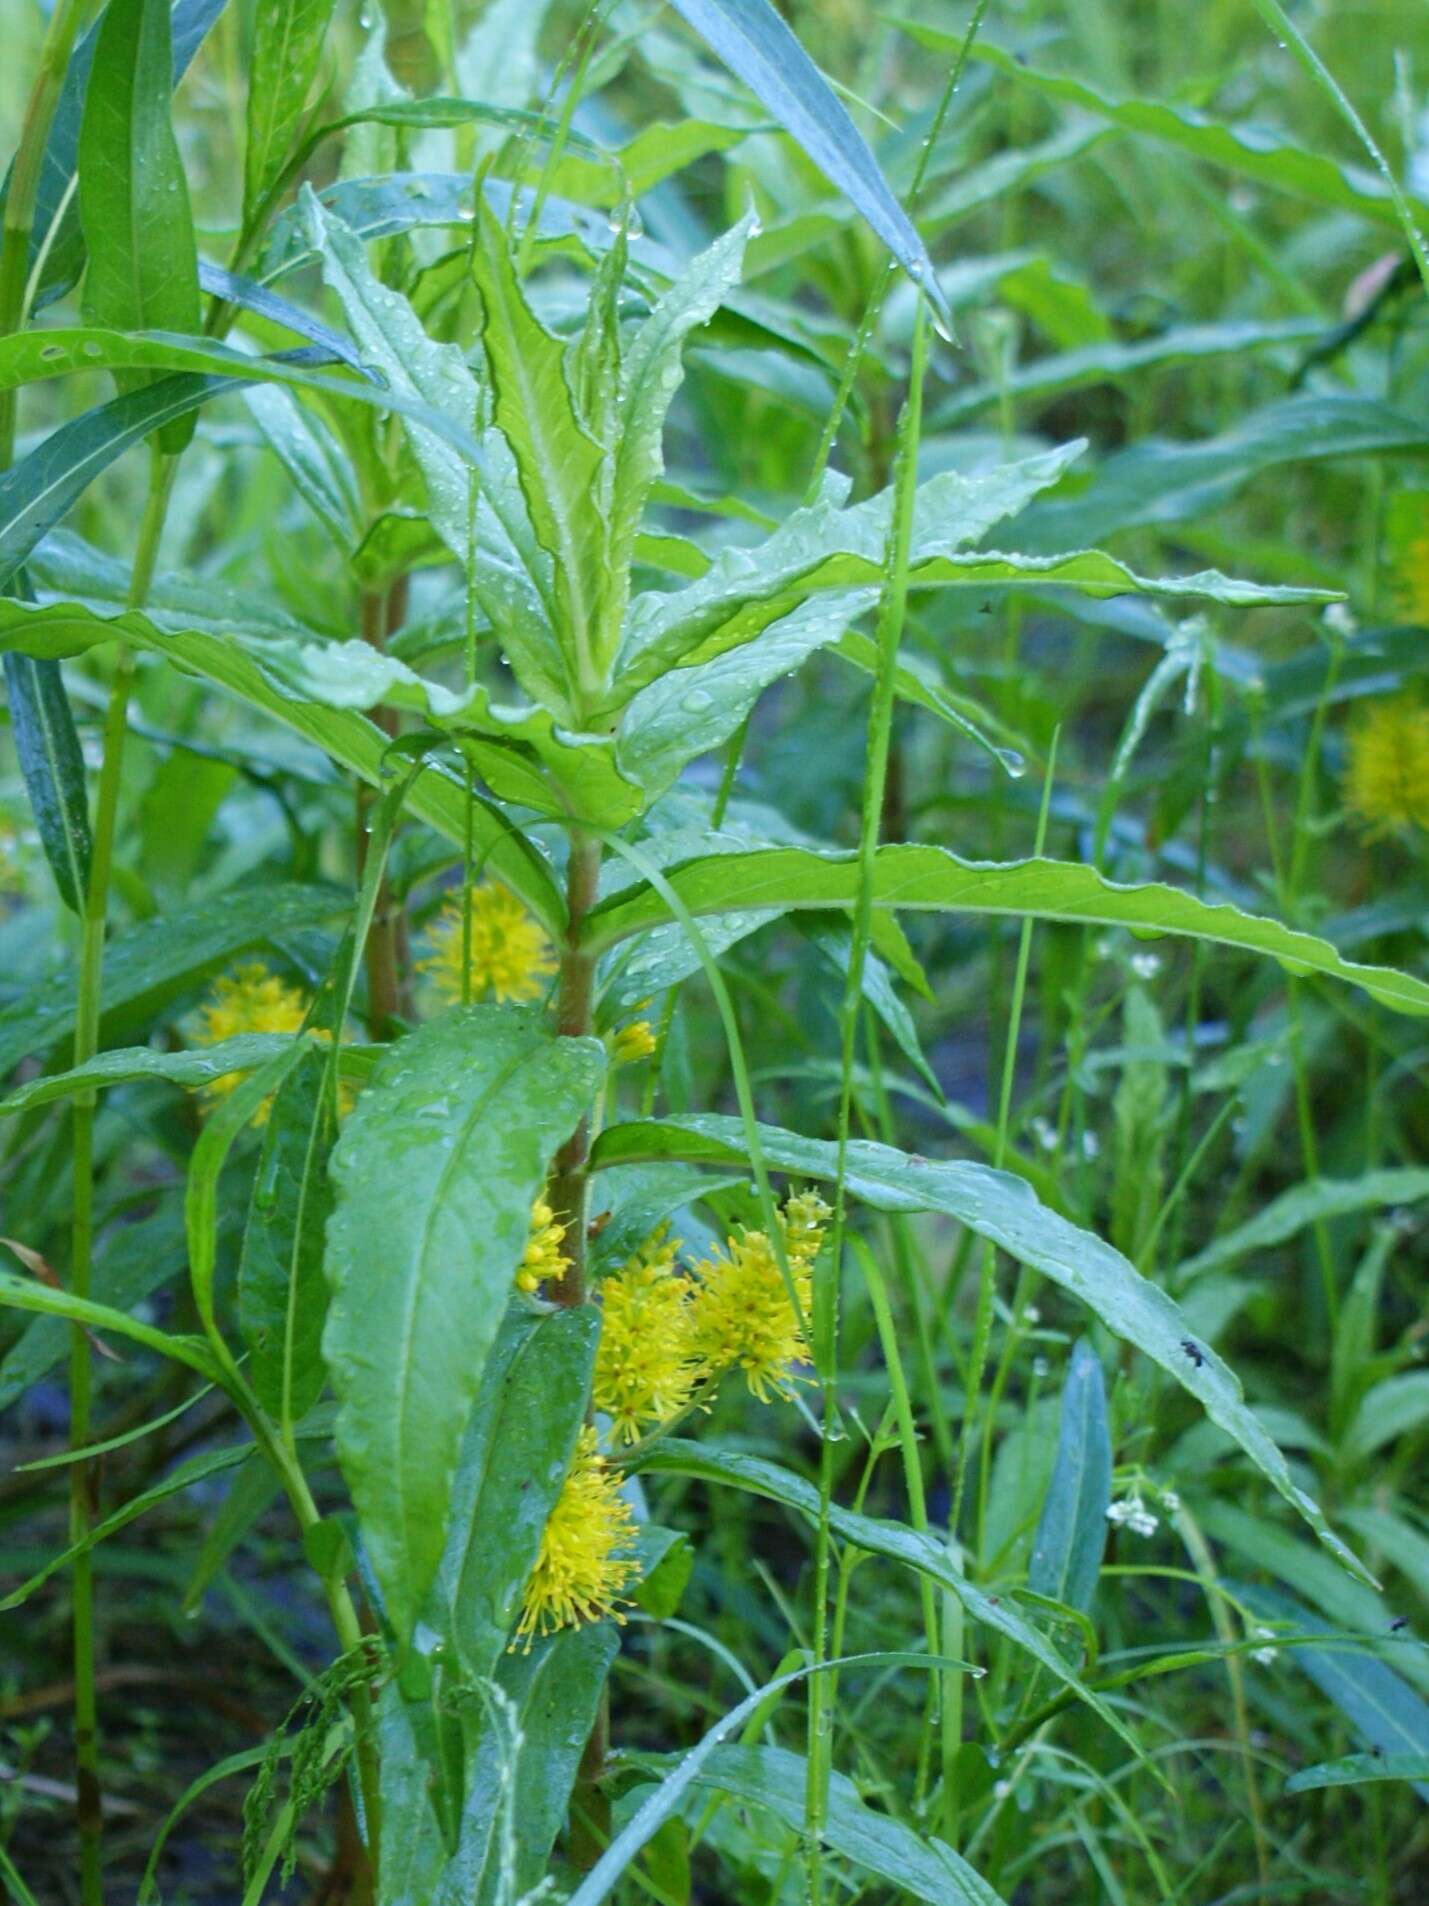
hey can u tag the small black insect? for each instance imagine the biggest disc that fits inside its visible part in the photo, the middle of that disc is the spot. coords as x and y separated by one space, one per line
1193 1351
1400 1621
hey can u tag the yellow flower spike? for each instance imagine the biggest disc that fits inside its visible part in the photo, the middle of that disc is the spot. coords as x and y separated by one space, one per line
250 999
645 1366
1387 775
1407 538
584 1564
805 1218
510 955
543 1256
632 1042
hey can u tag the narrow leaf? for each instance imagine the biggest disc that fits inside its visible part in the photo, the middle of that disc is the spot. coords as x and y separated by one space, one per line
1071 1533
53 766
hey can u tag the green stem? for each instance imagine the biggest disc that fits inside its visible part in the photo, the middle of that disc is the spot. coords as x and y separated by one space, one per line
822 1688
575 1002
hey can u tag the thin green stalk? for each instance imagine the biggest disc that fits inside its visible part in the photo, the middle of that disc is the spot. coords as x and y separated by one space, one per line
86 1044
822 1689
575 1005
982 1324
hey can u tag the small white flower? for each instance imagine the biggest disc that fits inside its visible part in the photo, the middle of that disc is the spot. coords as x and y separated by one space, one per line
1146 965
1045 1133
1132 1513
1031 1315
1091 1145
1001 1789
1170 1501
1040 1367
1264 1655
1340 619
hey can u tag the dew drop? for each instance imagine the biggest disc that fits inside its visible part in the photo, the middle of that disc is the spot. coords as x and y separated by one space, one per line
697 701
1012 763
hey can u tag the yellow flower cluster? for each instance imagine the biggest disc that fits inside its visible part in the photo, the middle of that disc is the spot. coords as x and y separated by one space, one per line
250 999
645 1366
1387 773
665 1335
584 1564
1407 523
543 1256
743 1317
632 1042
509 956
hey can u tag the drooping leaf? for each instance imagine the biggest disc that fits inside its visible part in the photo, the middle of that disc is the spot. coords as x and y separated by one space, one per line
218 655
931 879
43 731
124 1065
1004 1210
28 1294
1354 1769
1071 1532
756 45
435 1174
773 1777
158 958
133 194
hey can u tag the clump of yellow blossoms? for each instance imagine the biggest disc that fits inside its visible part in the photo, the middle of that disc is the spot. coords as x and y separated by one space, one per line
1387 775
543 1256
742 1315
645 1366
510 957
1408 538
632 1042
250 999
584 1565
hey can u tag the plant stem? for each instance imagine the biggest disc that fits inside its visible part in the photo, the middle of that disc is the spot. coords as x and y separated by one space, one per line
86 1044
574 1010
382 613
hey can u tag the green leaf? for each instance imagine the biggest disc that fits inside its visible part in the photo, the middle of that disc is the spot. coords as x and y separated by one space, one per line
1159 481
828 547
435 1174
756 45
1397 1407
1004 1210
1109 361
773 1777
557 460
518 1800
47 746
657 152
313 459
125 1065
1306 1204
214 651
282 1298
1354 1769
516 1450
650 375
1384 1712
183 1476
56 245
160 957
691 710
932 879
287 46
22 1293
133 195
892 1540
1250 151
1071 1533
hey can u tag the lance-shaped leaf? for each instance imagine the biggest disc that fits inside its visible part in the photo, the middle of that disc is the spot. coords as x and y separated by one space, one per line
756 45
1006 1211
435 1174
287 45
828 547
42 727
512 576
133 195
282 1298
650 375
1071 1532
558 461
930 879
155 960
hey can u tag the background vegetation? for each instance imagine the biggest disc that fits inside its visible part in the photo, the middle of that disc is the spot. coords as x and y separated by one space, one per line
1156 231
